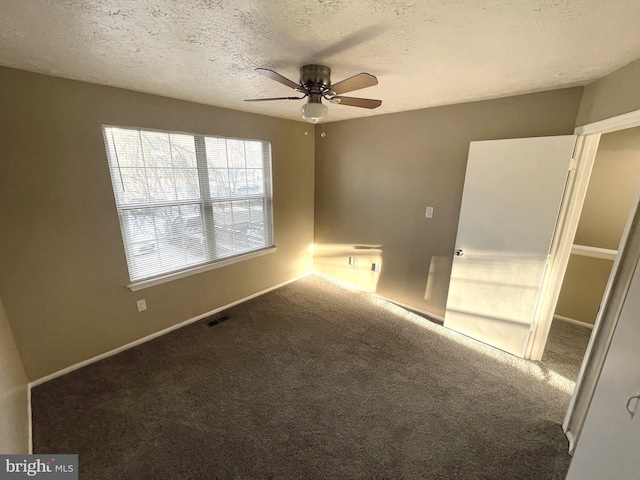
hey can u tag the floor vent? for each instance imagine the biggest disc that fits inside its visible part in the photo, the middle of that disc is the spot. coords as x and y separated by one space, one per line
213 320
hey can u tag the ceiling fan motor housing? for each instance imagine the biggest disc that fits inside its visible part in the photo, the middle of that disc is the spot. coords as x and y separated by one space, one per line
316 79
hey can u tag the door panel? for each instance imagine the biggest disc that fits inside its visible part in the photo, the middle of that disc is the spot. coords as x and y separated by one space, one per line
608 445
512 195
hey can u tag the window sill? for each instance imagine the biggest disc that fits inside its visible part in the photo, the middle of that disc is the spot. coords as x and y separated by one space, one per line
151 282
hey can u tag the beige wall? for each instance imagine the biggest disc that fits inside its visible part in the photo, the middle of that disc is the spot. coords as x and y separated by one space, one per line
14 409
583 287
375 176
64 271
613 185
614 94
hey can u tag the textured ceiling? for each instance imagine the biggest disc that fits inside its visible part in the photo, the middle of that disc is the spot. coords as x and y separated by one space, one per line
424 53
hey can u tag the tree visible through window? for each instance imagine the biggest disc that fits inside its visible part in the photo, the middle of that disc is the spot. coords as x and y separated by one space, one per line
186 200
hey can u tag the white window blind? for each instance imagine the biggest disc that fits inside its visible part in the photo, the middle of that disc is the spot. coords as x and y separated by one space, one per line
187 200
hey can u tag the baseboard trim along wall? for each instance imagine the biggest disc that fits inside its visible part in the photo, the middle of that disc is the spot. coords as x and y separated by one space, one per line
29 420
157 334
152 336
575 322
337 281
431 315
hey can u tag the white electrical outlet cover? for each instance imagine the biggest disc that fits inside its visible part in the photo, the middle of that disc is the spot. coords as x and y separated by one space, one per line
142 305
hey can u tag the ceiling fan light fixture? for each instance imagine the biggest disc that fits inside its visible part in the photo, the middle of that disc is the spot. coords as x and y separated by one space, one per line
315 84
314 111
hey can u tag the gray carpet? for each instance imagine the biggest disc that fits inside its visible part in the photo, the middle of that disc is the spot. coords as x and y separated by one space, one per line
565 348
308 381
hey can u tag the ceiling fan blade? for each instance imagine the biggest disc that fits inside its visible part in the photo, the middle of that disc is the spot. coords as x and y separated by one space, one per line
357 102
277 77
361 80
269 99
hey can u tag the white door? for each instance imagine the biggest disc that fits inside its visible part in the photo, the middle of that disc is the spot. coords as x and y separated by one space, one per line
512 195
610 439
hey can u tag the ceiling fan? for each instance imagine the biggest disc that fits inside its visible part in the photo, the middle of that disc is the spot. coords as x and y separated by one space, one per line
315 84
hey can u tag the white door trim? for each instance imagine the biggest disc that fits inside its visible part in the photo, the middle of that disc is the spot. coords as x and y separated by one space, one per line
613 124
624 265
575 193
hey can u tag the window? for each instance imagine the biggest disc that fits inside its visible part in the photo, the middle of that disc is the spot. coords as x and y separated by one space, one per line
188 200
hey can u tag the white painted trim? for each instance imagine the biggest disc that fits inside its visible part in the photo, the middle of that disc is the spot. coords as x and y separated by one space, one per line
613 124
572 443
560 251
575 322
594 252
152 336
612 301
410 308
346 284
135 286
29 419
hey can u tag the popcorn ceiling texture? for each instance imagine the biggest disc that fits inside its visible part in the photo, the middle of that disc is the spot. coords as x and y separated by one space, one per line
423 53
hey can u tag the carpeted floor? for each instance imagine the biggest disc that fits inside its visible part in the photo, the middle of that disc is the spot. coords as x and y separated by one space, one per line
310 381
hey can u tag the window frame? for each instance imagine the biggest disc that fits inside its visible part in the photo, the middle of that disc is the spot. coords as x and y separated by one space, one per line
206 204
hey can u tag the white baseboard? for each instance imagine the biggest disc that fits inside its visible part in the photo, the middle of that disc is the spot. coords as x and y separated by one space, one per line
572 441
343 283
575 322
152 336
29 420
409 307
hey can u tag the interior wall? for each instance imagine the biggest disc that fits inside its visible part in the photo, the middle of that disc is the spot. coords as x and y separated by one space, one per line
375 176
64 272
14 409
582 288
615 94
612 188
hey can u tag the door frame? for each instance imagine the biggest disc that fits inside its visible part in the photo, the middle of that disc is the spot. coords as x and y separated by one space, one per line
575 192
624 265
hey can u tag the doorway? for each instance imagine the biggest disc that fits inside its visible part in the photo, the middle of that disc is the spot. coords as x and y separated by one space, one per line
619 279
612 188
613 184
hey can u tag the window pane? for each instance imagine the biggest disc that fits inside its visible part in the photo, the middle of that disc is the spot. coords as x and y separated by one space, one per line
241 212
222 214
235 231
238 181
126 147
216 152
257 211
162 239
253 154
183 151
161 184
186 181
134 185
235 153
219 183
185 233
156 149
167 222
255 181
